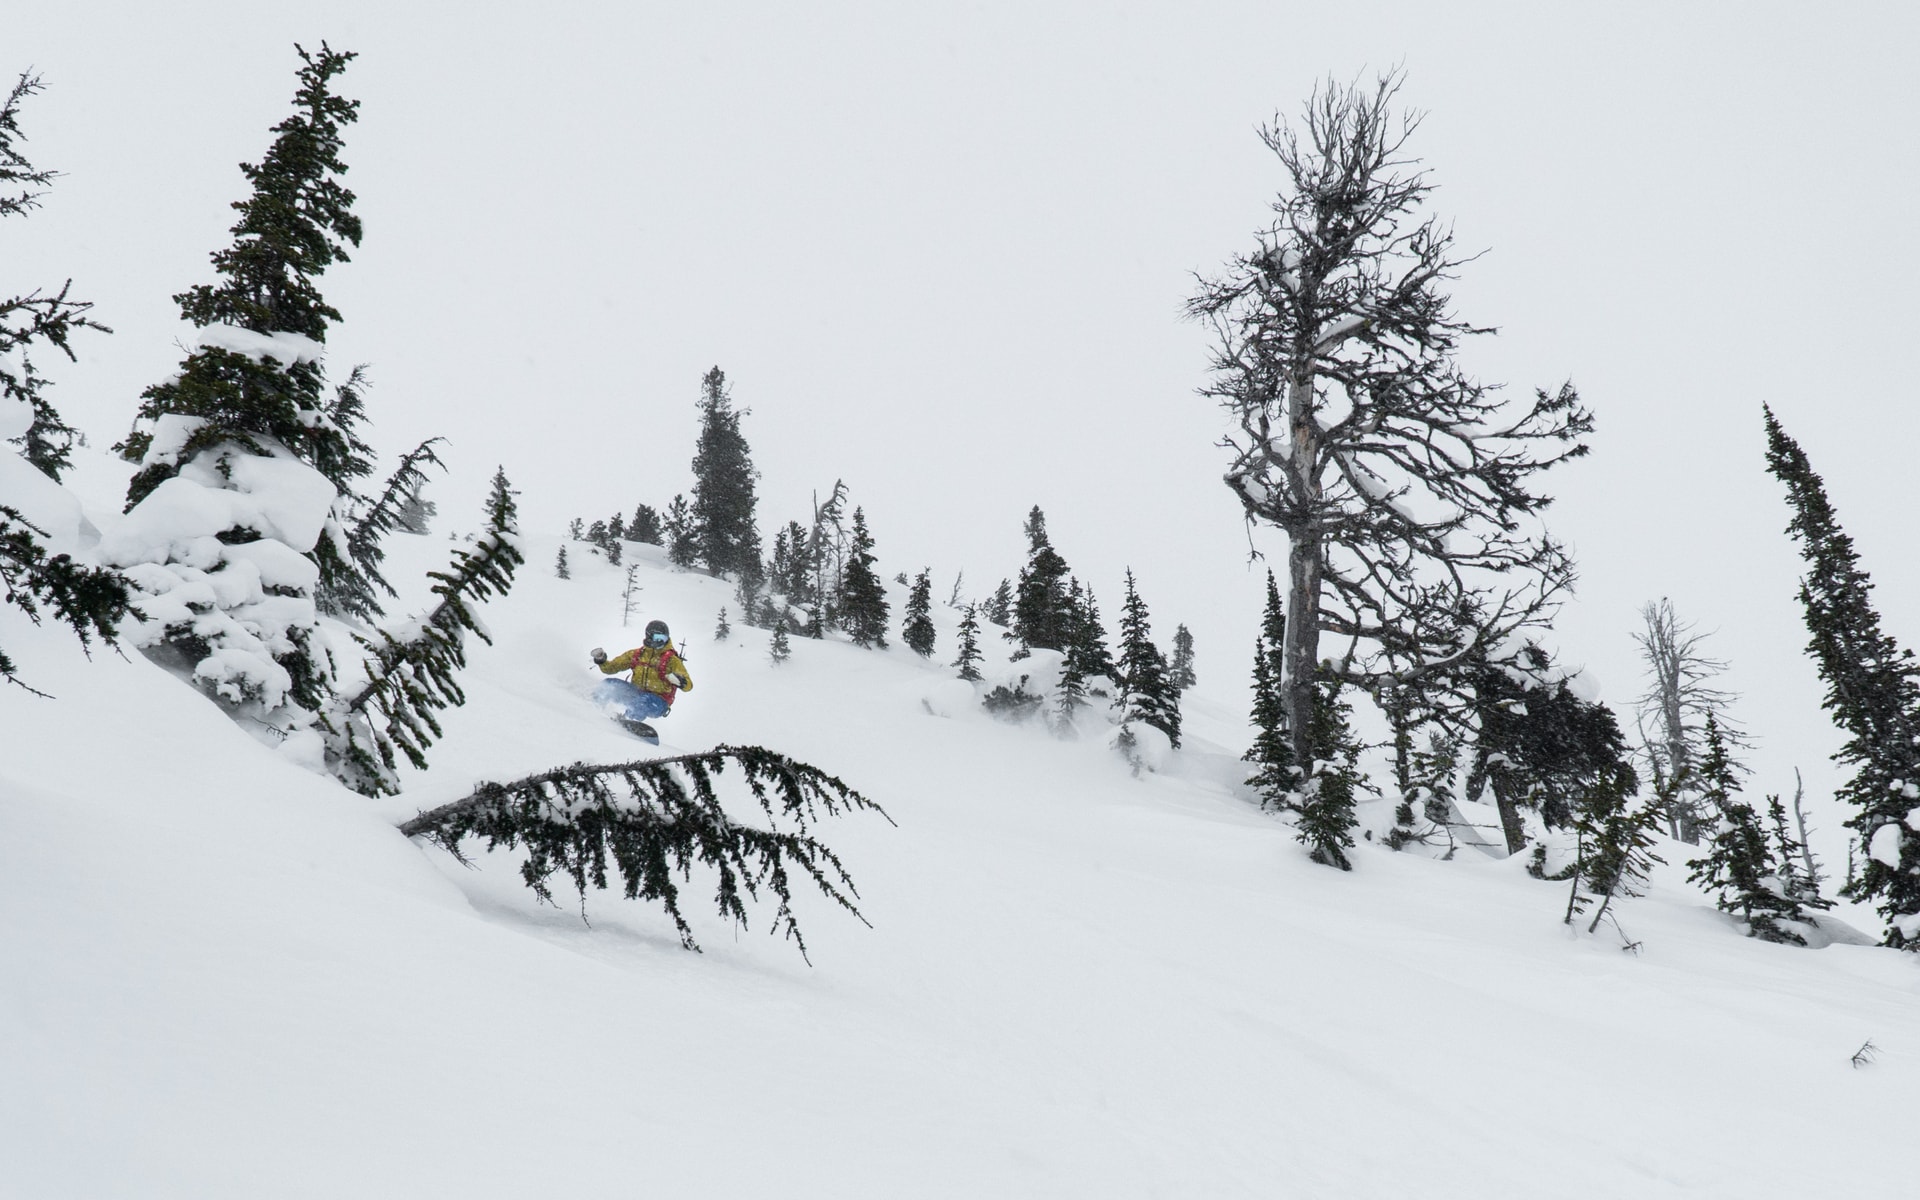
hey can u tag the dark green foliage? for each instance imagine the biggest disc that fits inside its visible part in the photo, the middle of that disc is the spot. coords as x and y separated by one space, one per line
576 529
1749 876
1328 792
778 650
1146 694
999 606
863 600
790 571
1423 771
1180 671
617 528
645 527
1042 605
1014 703
1873 692
969 660
1540 746
1613 844
90 601
722 631
683 547
1087 646
723 522
651 821
410 671
1274 778
353 593
296 224
560 568
31 317
917 631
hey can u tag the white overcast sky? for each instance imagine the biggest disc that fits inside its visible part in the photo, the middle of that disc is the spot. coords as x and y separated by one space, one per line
941 251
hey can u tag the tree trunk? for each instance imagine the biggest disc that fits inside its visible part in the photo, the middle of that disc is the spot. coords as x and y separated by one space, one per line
1305 557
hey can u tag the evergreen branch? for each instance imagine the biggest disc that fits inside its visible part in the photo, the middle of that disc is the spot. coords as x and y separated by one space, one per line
386 513
656 818
90 600
411 674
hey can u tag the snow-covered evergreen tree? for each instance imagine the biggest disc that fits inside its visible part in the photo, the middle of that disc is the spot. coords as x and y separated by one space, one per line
560 568
917 630
1042 611
999 606
724 523
1613 844
722 631
1747 875
863 599
246 466
645 527
968 663
683 544
1180 671
1089 643
1146 694
1274 779
1873 692
778 648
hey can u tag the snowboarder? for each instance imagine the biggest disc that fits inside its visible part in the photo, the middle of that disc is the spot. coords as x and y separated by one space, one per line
658 674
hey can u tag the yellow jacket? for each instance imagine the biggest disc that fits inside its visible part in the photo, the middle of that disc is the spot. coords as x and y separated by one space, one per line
657 671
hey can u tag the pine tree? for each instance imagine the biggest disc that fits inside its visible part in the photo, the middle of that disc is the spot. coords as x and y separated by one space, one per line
917 632
576 530
1146 695
410 672
778 650
969 660
863 601
90 601
1873 693
722 631
1329 790
1274 778
1180 673
1748 877
560 569
723 519
645 526
683 544
617 528
247 415
614 552
1042 613
1090 640
1613 844
999 606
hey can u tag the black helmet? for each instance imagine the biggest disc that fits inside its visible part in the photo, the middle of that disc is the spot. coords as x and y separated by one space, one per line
657 633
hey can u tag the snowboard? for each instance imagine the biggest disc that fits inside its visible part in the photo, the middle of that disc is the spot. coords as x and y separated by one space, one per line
626 705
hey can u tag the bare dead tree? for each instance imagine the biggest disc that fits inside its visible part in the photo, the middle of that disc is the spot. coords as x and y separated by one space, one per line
1672 713
1405 488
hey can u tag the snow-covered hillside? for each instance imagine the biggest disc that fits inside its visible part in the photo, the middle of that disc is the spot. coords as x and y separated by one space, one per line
226 976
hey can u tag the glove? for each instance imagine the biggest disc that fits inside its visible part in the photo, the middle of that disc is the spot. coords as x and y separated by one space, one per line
599 656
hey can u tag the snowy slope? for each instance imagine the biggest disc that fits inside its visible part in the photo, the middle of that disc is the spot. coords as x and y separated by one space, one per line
225 976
